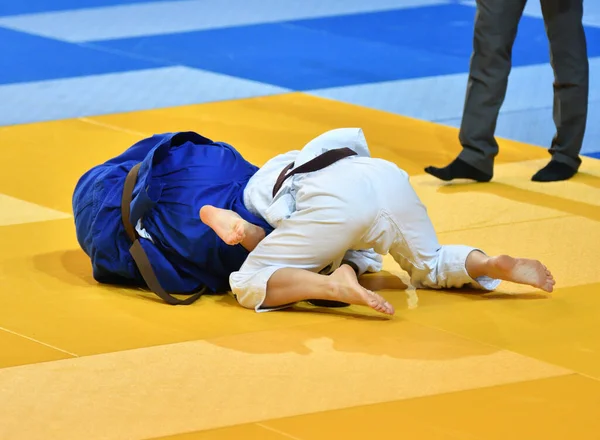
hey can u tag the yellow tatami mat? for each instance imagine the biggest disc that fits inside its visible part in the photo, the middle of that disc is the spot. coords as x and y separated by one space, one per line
518 410
84 361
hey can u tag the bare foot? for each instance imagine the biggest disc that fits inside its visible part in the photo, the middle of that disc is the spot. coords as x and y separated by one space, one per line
348 290
228 225
521 271
231 228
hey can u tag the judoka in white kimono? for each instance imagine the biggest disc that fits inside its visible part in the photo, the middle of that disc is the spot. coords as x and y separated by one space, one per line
356 210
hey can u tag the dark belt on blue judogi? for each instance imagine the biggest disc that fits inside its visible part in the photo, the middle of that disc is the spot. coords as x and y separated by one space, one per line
139 254
137 251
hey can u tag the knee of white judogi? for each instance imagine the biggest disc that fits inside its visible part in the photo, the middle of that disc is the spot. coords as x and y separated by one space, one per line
248 298
426 274
247 295
249 287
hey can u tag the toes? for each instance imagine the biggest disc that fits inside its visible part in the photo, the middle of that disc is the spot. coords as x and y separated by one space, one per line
385 308
378 303
374 301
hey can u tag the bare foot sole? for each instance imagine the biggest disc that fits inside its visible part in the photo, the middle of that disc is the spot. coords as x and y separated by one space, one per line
347 289
228 225
521 271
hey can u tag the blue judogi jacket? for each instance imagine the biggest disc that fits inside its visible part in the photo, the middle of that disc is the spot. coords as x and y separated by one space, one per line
179 173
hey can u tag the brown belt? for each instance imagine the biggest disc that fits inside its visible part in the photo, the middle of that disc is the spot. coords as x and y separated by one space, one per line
141 258
316 164
137 251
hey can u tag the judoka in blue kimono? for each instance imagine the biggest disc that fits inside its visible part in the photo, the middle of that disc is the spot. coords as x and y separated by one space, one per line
179 173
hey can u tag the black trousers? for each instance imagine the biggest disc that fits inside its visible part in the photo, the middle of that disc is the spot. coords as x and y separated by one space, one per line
496 25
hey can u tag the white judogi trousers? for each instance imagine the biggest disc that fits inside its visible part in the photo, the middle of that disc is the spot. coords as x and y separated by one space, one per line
356 209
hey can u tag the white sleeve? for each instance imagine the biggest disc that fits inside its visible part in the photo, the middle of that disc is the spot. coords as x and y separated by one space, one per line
314 236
